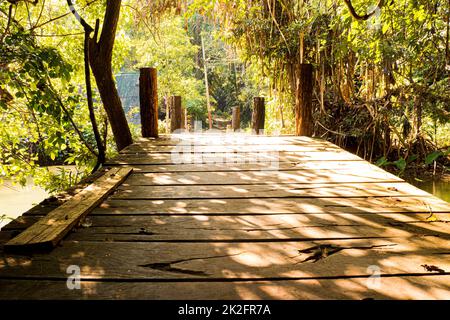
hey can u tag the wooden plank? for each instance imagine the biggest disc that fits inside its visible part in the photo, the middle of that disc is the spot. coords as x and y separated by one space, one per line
252 261
258 177
233 158
357 166
295 190
48 231
229 139
138 149
259 228
6 235
429 286
203 227
275 206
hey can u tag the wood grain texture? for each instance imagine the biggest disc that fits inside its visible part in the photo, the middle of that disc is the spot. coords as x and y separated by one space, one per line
258 177
427 286
148 98
357 165
250 228
239 260
294 190
143 149
49 230
309 228
181 157
276 205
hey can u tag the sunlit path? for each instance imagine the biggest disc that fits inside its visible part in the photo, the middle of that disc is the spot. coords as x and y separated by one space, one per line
244 217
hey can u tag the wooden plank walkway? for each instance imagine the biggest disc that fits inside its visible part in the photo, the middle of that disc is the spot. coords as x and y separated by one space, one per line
244 217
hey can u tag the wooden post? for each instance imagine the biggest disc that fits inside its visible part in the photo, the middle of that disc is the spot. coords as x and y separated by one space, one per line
303 101
148 96
236 119
186 119
258 115
175 113
183 118
205 69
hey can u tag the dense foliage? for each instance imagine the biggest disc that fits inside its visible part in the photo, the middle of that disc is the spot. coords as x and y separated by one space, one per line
381 80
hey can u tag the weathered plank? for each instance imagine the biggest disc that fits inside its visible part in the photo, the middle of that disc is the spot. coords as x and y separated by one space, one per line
358 165
428 286
239 230
144 149
223 227
258 177
276 206
258 228
312 219
252 261
220 138
295 190
229 157
48 231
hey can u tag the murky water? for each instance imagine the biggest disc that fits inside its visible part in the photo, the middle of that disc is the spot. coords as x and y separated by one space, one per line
15 200
439 188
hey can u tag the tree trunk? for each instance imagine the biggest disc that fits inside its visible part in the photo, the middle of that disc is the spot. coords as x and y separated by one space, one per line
417 117
101 157
258 115
175 113
100 57
236 119
148 96
303 101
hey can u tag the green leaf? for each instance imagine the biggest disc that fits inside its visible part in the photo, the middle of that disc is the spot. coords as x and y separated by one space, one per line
382 162
412 158
433 157
446 153
400 164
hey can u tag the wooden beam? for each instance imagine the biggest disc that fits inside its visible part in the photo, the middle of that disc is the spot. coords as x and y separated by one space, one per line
48 232
148 96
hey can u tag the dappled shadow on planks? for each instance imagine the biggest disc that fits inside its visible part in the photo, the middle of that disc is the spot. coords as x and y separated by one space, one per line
305 234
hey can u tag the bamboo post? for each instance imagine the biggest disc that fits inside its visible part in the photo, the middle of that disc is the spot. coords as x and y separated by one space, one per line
236 119
148 96
303 105
175 113
258 115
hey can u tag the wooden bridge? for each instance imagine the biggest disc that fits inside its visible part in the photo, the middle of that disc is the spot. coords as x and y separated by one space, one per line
240 217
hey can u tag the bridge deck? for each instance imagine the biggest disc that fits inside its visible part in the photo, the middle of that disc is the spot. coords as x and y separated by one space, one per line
280 218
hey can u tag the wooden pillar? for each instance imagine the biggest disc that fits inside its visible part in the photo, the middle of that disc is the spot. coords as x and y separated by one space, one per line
258 115
183 118
148 96
175 113
236 119
303 101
